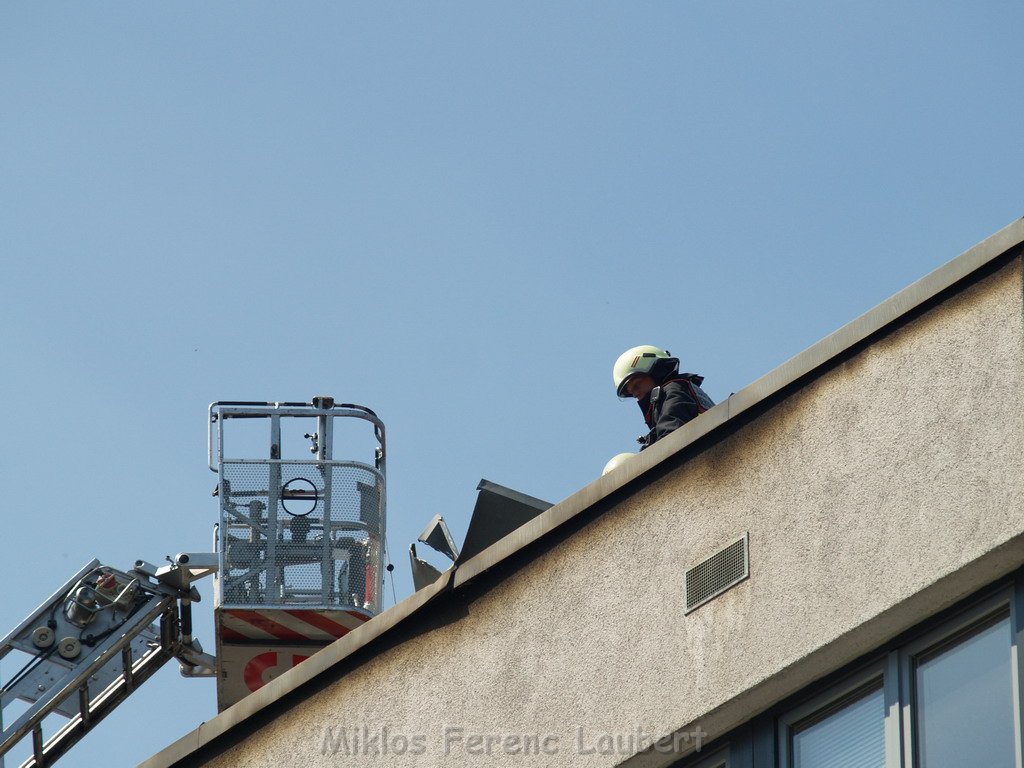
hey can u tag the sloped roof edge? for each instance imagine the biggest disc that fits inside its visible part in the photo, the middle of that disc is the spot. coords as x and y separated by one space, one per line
815 357
801 367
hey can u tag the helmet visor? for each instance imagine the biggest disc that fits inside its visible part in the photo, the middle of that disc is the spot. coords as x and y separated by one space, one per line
639 364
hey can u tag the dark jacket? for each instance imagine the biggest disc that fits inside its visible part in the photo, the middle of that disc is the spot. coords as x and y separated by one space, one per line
675 401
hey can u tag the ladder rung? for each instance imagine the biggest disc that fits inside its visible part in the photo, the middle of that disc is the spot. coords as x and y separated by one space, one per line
126 666
37 745
83 705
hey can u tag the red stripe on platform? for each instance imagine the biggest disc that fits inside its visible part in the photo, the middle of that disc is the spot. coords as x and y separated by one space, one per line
227 633
268 625
321 622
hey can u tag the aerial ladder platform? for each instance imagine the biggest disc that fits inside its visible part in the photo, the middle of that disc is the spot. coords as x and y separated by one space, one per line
298 562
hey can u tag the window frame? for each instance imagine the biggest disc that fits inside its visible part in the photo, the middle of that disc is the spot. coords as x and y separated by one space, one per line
879 675
720 758
764 740
993 609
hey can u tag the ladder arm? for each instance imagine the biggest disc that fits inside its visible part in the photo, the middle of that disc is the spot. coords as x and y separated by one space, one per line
93 643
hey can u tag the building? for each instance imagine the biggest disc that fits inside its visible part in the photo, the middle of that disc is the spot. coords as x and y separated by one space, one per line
823 570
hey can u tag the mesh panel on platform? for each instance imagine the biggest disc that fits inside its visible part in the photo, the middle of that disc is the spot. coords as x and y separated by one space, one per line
298 533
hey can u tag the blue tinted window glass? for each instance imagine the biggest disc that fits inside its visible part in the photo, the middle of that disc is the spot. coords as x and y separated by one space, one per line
852 737
964 698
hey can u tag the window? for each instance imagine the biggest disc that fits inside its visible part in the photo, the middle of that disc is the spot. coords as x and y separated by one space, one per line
955 687
845 727
951 696
850 737
963 699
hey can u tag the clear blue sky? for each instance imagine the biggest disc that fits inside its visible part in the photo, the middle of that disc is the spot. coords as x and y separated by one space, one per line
457 214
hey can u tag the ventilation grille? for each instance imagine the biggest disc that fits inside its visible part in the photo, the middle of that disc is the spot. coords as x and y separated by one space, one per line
718 573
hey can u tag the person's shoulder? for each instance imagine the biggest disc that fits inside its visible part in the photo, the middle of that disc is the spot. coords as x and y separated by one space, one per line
681 379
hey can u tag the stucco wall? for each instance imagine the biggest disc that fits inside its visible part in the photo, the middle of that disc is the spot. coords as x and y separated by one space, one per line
893 470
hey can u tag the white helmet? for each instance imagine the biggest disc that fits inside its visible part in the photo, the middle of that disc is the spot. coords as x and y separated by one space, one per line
635 361
615 461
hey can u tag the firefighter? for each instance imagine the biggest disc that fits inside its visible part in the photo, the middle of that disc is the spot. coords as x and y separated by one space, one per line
668 399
